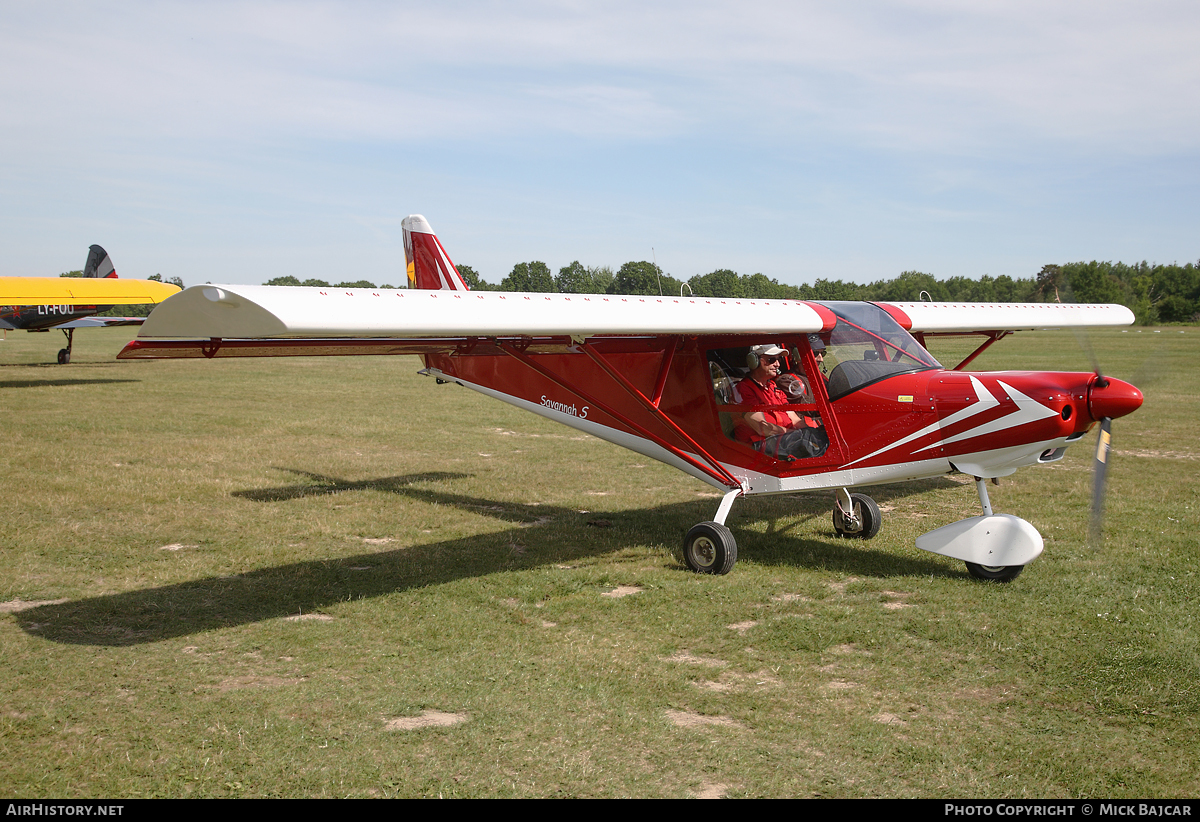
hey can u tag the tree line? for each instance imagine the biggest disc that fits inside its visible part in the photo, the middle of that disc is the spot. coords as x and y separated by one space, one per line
1155 293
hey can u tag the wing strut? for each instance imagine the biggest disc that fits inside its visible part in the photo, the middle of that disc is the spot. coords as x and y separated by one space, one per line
713 468
992 336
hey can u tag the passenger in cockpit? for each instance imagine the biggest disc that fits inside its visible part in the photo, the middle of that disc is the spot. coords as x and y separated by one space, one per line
818 349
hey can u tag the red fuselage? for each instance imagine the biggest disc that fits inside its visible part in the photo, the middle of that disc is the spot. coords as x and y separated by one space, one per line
657 395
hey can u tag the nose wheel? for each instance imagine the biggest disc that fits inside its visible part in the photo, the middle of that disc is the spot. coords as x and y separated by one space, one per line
994 573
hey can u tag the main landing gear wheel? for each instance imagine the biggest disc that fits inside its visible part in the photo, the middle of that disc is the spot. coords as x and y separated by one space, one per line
995 573
709 548
64 354
865 521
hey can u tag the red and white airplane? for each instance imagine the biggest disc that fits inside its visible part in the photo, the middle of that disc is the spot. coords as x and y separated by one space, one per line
665 377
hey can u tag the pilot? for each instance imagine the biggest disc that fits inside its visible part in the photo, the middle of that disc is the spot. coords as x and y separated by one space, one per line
781 434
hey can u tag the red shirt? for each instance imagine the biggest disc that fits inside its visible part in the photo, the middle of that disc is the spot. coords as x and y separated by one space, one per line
754 394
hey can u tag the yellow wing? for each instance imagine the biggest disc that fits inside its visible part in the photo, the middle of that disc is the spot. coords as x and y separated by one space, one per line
82 291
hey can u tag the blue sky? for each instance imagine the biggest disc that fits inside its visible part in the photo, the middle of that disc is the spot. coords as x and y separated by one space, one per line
237 142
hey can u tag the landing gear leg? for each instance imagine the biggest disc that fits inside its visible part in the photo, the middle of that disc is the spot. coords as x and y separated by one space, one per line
991 573
709 548
855 515
64 355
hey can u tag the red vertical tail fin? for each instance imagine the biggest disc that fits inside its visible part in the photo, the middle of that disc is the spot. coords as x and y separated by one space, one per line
429 265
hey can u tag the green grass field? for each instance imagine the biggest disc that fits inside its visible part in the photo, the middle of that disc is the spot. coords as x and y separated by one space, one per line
332 577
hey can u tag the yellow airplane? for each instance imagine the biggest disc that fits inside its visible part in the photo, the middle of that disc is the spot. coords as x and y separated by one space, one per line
67 303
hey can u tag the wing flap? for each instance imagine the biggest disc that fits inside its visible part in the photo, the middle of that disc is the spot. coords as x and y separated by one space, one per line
155 349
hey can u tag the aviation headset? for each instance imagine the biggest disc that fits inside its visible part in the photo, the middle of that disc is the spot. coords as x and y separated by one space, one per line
755 354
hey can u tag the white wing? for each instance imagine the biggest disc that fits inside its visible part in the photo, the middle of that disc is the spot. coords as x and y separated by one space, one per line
265 312
276 312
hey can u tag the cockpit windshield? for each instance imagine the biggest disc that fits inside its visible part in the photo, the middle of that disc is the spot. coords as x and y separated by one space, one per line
866 346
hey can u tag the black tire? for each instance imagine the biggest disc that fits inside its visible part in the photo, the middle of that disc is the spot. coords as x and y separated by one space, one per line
868 515
709 548
64 356
995 573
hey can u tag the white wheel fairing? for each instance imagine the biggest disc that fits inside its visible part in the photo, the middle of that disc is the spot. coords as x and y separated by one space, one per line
1000 540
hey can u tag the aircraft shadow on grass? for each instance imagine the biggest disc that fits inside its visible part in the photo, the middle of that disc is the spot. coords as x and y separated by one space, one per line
182 609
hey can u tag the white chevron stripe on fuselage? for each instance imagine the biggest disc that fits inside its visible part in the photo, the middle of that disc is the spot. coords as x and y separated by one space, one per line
1028 410
984 401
